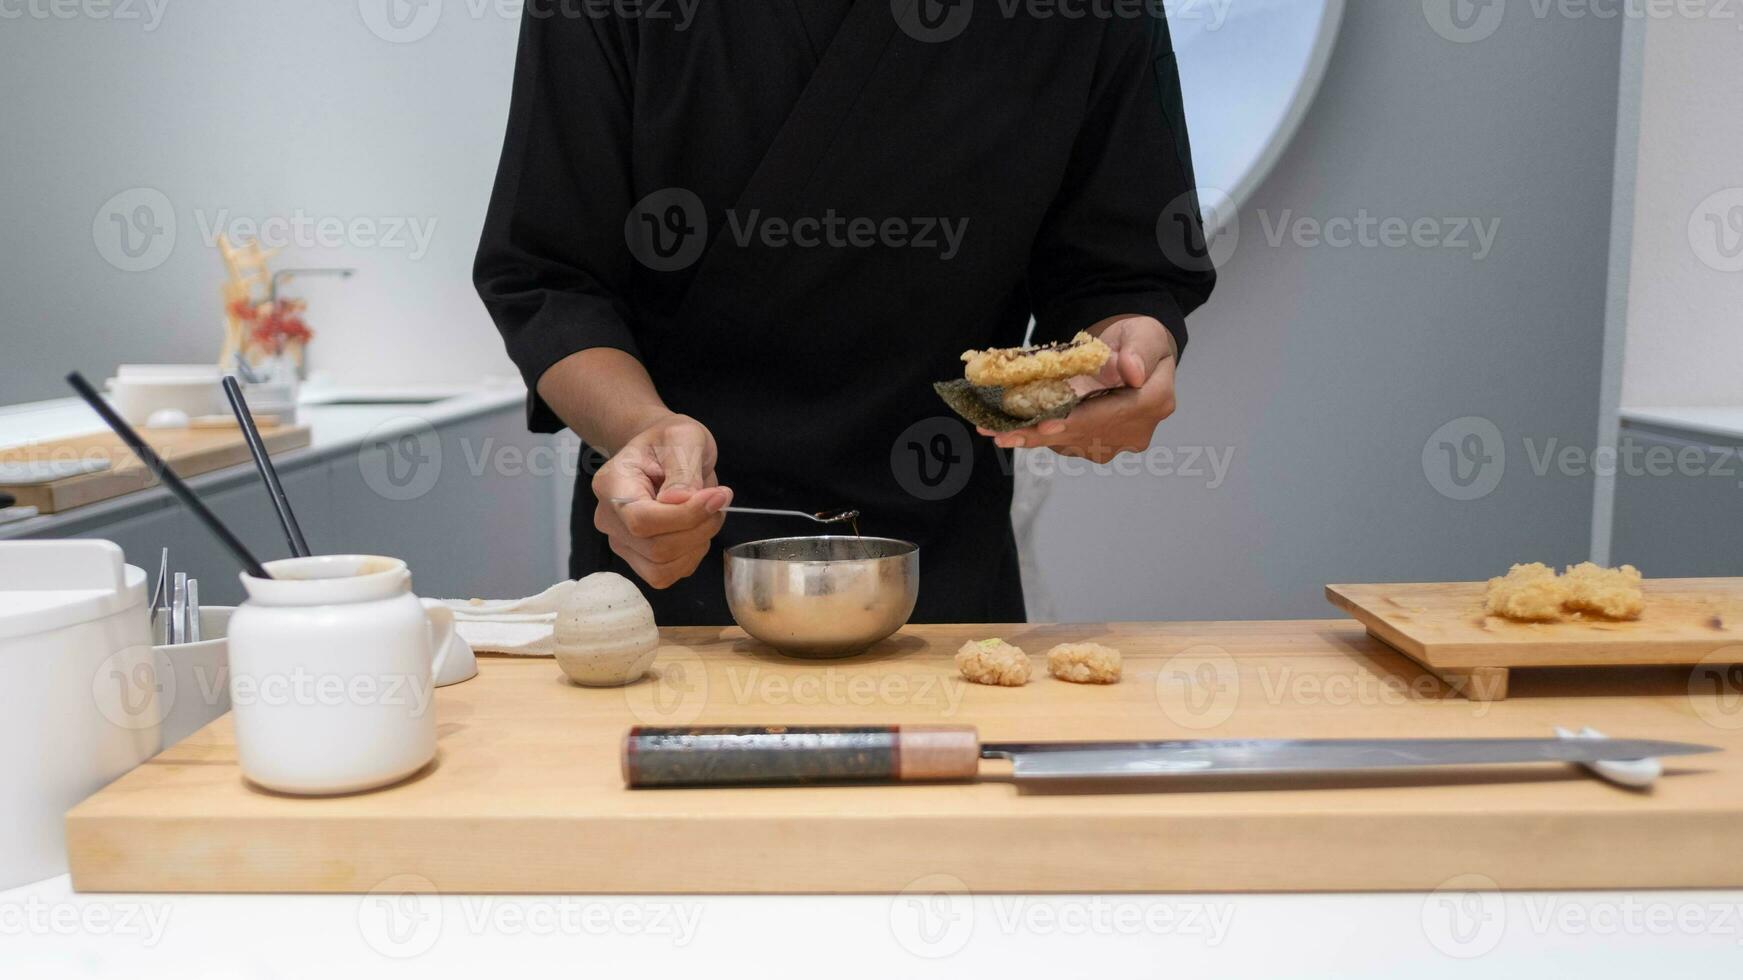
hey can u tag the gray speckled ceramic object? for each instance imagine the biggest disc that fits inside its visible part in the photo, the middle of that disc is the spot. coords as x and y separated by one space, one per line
605 634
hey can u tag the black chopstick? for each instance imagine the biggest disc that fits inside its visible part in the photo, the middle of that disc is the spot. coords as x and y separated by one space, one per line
293 533
154 463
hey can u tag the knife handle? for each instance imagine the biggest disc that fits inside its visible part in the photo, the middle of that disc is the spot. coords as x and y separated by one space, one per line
781 756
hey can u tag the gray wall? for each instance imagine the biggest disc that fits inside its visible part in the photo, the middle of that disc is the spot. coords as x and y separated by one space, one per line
246 111
1684 282
1326 370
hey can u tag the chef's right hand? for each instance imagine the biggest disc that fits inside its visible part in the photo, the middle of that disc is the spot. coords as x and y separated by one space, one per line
659 502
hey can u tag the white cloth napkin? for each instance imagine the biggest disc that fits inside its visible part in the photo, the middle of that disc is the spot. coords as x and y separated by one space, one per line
517 627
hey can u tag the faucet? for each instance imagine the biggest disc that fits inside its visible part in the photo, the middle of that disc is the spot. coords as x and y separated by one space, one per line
285 275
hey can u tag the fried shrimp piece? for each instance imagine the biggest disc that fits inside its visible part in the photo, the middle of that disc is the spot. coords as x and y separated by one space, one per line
1012 366
1612 593
1527 593
1037 398
994 663
1084 663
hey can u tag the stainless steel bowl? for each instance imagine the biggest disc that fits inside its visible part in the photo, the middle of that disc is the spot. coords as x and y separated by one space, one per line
822 597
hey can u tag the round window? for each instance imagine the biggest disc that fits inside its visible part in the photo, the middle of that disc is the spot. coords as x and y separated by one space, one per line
1248 70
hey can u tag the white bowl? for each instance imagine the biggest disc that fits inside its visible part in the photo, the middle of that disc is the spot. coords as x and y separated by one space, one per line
139 390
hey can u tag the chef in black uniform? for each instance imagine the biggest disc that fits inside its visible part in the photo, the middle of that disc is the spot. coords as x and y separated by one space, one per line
733 254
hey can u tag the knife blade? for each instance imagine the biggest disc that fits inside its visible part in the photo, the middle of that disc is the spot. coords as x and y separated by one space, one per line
1272 756
665 757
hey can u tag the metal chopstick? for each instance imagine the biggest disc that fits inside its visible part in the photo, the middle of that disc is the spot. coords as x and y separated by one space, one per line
293 532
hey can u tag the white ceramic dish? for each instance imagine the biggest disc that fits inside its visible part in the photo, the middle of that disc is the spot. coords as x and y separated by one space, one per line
456 662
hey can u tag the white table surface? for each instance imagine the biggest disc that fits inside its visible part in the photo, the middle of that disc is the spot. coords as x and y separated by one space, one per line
47 931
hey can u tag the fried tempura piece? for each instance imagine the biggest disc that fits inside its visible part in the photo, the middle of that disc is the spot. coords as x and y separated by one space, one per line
993 662
1012 366
1037 398
1084 663
1535 594
1527 593
1613 593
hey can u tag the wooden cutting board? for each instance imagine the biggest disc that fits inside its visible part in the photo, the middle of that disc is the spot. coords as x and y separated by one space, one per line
189 452
1443 627
526 796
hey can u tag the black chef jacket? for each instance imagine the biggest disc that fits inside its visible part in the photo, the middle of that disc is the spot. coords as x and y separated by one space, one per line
798 213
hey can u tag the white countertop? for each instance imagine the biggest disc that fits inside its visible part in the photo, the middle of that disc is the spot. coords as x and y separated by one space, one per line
334 429
46 931
1726 423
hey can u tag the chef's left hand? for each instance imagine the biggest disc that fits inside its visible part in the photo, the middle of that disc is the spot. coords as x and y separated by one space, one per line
1100 428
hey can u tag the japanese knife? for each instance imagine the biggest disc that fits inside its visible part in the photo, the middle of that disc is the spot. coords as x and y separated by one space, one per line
670 757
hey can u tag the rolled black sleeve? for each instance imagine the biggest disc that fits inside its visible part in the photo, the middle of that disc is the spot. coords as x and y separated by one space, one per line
1124 234
552 266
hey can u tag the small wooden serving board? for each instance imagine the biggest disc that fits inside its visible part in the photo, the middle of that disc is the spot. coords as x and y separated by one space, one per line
526 794
190 452
1442 626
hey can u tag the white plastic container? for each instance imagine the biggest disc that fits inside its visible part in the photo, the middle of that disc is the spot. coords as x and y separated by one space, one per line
275 398
139 390
196 688
78 703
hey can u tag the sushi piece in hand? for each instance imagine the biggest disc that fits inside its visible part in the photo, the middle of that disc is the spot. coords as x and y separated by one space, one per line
1013 388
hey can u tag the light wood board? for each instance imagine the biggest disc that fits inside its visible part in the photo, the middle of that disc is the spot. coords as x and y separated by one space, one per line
190 452
1442 626
526 795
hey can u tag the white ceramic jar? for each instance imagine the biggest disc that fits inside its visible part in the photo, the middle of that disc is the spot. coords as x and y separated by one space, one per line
331 684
